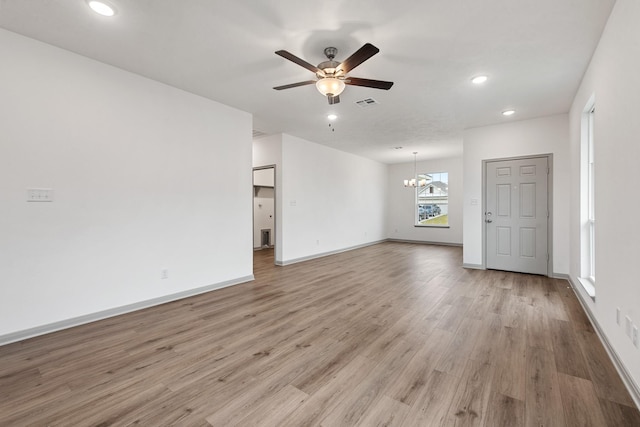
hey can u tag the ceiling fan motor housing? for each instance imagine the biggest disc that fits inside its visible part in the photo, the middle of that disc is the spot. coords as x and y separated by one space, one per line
329 68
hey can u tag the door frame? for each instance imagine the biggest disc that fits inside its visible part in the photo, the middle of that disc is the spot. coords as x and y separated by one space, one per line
275 205
549 157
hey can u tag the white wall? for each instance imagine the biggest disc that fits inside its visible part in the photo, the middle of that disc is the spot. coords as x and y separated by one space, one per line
546 135
146 178
400 223
331 200
613 77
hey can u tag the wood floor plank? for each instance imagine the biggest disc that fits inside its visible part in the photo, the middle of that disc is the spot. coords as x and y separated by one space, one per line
325 399
603 374
432 406
469 405
568 354
577 316
537 328
353 407
581 405
456 354
453 317
543 404
515 315
274 410
390 334
499 302
616 414
487 346
510 373
406 388
505 411
386 412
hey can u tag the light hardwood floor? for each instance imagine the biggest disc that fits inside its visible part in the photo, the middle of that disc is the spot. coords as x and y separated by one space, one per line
393 334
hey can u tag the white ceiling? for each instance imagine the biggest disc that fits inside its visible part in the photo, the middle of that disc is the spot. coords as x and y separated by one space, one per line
534 52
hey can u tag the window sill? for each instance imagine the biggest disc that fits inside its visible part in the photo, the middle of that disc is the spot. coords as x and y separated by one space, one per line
431 226
588 286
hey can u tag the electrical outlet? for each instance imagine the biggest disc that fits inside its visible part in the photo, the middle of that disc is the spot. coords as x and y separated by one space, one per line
618 316
164 274
635 336
627 325
39 195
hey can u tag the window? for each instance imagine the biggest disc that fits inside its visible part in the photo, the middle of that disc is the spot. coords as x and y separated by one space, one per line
587 202
592 200
432 199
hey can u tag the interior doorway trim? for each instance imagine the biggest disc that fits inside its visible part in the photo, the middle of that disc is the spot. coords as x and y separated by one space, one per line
549 157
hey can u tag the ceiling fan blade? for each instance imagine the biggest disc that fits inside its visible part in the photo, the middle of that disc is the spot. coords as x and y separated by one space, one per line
291 57
358 57
376 84
289 86
333 99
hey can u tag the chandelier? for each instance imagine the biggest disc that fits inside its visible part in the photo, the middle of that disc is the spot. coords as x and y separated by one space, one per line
415 182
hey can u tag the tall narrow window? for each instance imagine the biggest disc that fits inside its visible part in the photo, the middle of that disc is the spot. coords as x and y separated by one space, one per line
592 200
587 202
432 199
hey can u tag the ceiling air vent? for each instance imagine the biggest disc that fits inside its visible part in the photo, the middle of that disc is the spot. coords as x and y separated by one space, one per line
367 102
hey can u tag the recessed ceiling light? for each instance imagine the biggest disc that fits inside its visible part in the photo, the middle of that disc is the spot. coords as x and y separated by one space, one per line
478 80
508 112
102 8
332 117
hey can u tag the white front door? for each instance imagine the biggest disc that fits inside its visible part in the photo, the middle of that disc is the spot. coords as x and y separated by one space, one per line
516 215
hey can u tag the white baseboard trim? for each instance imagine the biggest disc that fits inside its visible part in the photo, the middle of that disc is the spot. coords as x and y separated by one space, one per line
324 254
424 242
474 266
627 379
560 276
100 315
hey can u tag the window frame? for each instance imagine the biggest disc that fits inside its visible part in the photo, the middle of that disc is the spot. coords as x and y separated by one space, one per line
587 200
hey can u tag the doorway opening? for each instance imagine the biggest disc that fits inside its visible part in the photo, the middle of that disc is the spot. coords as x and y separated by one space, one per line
264 211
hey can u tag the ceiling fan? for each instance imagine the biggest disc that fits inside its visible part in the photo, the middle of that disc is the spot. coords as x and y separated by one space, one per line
332 75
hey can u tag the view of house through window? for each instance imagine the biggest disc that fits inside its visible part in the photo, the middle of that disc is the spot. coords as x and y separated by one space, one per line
432 199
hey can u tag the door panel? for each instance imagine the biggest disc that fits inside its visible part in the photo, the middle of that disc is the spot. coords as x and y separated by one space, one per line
516 215
527 200
528 242
503 207
504 240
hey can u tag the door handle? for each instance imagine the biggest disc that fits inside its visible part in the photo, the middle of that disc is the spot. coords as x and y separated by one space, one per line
488 217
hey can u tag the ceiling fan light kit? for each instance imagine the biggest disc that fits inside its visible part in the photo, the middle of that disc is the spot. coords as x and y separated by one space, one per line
330 86
332 75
